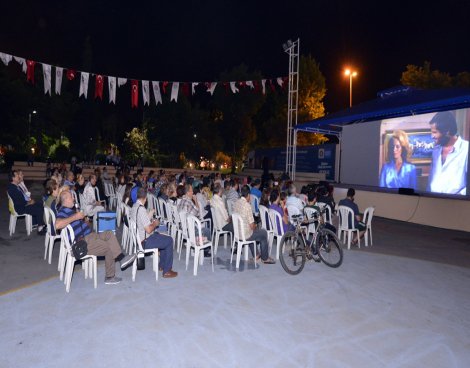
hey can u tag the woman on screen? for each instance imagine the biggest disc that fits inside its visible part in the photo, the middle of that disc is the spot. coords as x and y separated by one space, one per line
398 172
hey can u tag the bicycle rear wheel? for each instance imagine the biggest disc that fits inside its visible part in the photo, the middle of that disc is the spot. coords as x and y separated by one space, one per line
292 254
329 248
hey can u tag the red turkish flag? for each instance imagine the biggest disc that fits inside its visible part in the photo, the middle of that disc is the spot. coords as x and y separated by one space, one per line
134 93
226 85
71 74
99 86
30 70
164 84
256 84
185 89
271 84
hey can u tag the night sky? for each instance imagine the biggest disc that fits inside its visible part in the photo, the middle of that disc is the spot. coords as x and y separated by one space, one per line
196 40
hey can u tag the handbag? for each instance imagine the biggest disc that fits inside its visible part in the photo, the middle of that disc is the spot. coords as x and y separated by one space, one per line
140 255
80 249
141 261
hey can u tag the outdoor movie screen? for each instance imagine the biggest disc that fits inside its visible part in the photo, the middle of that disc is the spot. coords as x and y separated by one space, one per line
427 152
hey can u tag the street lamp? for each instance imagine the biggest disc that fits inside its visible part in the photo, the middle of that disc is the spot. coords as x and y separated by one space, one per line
29 125
350 73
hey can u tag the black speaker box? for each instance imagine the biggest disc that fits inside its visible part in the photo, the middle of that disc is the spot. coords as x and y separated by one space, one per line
406 191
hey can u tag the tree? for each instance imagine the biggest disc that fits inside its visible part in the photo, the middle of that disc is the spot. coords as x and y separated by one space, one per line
137 144
424 77
235 114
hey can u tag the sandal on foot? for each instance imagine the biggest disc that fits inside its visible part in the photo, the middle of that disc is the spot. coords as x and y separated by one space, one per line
269 260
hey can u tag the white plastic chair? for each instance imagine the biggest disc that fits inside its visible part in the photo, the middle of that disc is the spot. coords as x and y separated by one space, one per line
218 229
240 240
292 211
111 194
346 226
266 225
197 242
14 217
89 261
367 219
119 204
136 247
126 240
276 224
184 231
51 230
254 201
311 214
230 207
327 215
97 196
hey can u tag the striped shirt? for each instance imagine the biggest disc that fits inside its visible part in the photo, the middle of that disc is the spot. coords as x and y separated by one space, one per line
80 227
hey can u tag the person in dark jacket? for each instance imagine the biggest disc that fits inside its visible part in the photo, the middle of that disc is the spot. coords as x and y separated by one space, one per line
22 206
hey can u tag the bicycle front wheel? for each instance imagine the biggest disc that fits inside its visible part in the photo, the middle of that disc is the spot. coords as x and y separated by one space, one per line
329 248
292 254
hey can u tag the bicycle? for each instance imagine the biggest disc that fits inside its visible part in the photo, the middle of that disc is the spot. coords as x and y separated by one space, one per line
295 249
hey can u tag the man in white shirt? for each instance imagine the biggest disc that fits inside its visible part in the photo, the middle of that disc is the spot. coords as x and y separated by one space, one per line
293 200
449 158
242 207
219 206
150 239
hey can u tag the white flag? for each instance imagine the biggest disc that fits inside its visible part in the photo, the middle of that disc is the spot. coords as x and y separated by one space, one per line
193 87
22 62
6 58
174 91
233 87
84 84
280 81
46 69
122 81
211 88
263 84
146 93
250 84
157 93
58 79
112 89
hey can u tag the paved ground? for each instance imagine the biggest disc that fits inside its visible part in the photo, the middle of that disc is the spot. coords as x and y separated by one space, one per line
402 303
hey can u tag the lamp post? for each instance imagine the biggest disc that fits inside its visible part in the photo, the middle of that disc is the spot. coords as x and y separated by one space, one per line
350 73
29 125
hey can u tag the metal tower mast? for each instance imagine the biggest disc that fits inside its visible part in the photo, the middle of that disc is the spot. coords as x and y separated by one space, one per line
293 49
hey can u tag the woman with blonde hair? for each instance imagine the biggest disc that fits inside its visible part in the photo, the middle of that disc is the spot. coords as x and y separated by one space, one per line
397 172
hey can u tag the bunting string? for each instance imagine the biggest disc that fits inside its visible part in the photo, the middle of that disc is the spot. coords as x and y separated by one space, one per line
173 88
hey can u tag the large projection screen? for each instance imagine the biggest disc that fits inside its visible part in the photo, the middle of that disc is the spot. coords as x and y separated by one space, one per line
426 152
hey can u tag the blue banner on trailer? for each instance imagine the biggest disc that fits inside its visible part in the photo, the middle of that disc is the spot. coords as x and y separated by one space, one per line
316 159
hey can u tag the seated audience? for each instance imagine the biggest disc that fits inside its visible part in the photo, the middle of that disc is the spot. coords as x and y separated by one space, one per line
99 244
219 205
69 179
91 205
293 200
242 207
80 184
279 207
22 186
151 239
349 202
188 203
312 203
23 206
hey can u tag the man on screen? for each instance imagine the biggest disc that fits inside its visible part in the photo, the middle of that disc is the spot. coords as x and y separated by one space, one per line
449 157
